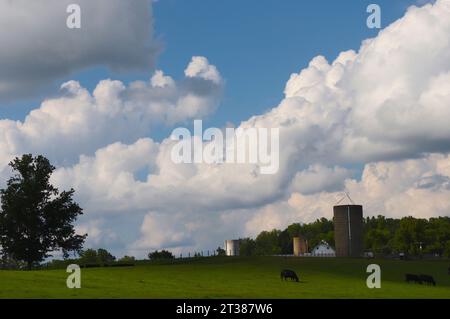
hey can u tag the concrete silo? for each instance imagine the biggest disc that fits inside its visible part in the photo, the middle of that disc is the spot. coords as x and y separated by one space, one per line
300 246
232 247
348 230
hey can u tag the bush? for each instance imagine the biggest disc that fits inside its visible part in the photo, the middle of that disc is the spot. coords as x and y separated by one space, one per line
61 264
220 251
88 256
104 257
160 255
127 260
94 257
9 263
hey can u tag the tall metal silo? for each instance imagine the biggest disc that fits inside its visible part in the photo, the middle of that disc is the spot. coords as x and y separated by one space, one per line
348 230
232 247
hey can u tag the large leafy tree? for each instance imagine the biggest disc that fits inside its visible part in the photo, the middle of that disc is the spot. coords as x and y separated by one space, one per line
35 218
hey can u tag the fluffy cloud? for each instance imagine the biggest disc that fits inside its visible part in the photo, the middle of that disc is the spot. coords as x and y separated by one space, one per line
415 187
99 236
40 48
318 178
162 231
78 122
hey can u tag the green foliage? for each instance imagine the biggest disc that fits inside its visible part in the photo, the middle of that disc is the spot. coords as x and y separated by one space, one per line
247 247
92 256
104 257
285 243
127 260
160 255
446 249
314 233
267 243
382 236
280 242
35 218
409 235
220 251
379 234
60 264
89 256
10 263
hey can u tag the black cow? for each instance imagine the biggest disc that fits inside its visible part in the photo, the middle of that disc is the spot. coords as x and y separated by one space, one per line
413 278
427 279
288 274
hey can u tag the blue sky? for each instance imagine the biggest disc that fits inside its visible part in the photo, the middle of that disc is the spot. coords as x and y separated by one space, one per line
255 45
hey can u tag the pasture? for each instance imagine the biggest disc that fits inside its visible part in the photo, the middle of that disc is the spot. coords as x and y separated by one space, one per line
233 277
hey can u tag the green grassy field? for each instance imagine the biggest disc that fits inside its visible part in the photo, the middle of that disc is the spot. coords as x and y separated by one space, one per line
256 277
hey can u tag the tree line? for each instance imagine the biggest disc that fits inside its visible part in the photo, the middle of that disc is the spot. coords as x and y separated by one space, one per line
382 236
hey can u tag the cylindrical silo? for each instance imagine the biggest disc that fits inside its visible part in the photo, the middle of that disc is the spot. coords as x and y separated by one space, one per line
348 230
232 247
300 246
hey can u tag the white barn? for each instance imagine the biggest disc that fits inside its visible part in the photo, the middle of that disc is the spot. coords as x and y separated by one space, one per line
323 250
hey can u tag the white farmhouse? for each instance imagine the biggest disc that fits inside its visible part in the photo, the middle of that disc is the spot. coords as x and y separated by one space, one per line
323 250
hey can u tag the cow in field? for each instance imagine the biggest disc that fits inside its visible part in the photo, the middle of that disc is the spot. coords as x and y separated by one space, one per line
288 274
427 279
413 278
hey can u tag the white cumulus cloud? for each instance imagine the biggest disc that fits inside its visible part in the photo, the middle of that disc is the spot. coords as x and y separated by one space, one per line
80 122
41 48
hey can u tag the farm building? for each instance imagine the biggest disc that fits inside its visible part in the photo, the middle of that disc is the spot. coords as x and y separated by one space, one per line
348 230
232 247
323 250
300 246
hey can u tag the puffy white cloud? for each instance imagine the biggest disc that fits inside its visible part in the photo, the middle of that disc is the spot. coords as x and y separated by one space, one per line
108 182
317 178
200 67
162 231
416 187
39 48
99 236
78 122
388 100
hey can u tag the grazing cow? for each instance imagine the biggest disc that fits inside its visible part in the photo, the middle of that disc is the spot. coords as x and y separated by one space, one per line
289 274
427 279
413 278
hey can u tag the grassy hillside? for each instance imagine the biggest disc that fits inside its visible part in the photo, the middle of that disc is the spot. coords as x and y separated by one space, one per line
256 277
